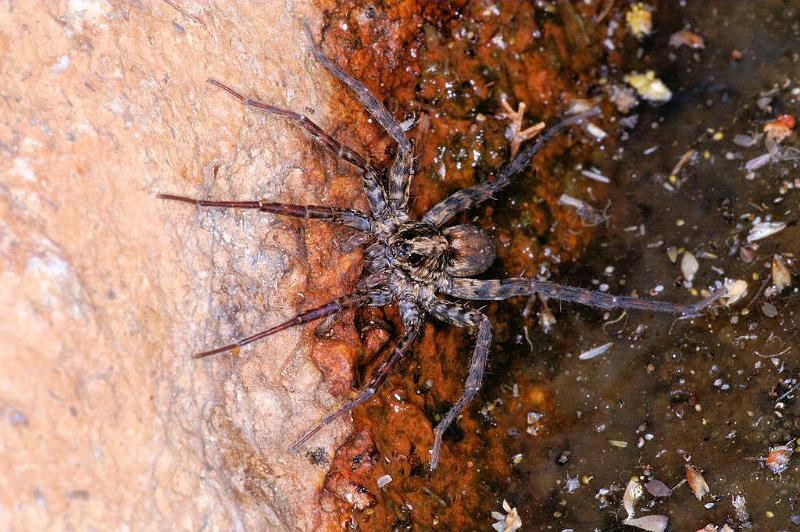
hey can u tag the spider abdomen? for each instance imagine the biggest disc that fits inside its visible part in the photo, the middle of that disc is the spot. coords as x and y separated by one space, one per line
471 250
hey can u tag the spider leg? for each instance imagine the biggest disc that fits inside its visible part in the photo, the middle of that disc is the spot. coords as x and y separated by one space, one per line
499 289
348 217
374 192
467 198
363 95
461 317
337 305
316 132
413 325
401 171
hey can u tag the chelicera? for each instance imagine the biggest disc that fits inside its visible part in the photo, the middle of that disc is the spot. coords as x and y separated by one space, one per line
423 266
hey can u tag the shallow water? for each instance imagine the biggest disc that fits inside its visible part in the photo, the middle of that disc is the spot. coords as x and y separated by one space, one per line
702 391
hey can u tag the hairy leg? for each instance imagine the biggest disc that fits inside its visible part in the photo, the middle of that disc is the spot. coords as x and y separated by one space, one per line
348 217
375 194
400 174
461 317
498 289
464 199
337 305
413 324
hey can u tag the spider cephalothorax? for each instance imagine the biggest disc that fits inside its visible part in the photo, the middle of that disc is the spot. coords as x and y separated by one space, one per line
423 266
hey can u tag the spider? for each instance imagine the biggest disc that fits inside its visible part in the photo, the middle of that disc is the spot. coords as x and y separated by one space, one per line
423 266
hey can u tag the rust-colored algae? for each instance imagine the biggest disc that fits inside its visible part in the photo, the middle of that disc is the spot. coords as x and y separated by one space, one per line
449 65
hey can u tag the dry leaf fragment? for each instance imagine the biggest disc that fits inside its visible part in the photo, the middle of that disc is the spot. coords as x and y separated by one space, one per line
656 488
652 523
780 128
633 492
649 86
778 459
781 276
764 229
640 20
689 266
696 481
686 38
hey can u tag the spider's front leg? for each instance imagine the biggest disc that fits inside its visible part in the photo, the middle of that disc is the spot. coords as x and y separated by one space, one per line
499 289
402 169
374 192
461 317
467 198
349 217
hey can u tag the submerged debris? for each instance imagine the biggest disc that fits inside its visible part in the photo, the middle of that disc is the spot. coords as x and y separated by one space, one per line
696 481
689 266
649 86
686 38
508 522
640 20
764 229
588 214
595 352
656 488
778 459
633 492
734 291
781 276
652 523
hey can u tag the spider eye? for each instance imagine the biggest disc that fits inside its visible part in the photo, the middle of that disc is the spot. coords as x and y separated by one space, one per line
401 250
415 259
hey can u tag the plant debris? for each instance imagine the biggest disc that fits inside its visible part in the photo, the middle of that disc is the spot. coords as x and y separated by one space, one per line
686 38
696 481
652 523
640 20
765 229
595 352
508 522
649 86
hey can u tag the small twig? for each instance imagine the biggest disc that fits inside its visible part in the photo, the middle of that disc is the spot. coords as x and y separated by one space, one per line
788 392
605 12
184 12
682 161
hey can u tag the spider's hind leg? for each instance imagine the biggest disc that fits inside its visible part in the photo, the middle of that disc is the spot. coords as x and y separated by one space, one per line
337 305
461 317
413 325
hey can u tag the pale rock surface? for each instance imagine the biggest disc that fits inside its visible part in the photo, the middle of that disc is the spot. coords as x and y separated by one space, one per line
105 420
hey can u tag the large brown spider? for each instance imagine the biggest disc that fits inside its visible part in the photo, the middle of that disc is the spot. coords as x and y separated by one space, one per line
414 262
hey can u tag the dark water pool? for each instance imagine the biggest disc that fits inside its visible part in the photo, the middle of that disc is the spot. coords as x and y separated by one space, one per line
712 391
